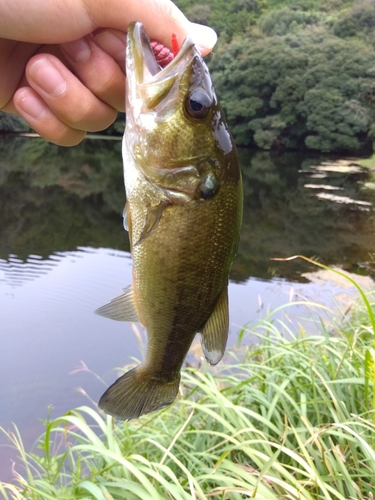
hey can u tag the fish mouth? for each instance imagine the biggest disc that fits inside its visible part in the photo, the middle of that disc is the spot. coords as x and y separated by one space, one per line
141 61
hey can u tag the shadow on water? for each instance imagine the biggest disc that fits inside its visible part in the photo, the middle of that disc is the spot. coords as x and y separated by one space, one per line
63 253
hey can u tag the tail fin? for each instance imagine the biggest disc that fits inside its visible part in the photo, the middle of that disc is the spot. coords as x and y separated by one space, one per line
137 393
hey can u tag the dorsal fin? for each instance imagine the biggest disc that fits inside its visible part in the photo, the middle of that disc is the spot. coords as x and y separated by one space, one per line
214 333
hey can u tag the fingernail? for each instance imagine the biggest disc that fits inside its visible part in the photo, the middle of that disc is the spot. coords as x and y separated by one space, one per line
203 36
114 45
32 105
48 77
78 51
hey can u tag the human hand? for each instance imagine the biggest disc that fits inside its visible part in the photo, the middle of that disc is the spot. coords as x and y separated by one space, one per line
62 63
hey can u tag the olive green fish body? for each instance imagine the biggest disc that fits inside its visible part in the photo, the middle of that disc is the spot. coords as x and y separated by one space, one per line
183 212
179 278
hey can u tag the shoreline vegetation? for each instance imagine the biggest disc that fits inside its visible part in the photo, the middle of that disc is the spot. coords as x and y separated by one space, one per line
290 418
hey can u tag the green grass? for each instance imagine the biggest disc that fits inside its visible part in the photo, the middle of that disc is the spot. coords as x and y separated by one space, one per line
282 420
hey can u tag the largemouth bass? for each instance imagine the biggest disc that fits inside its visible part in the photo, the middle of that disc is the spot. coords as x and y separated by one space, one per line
183 212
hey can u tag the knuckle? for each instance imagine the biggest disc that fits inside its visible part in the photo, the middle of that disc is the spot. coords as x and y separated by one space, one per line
55 131
67 136
93 118
89 114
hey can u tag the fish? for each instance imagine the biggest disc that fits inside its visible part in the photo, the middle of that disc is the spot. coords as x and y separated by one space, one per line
183 212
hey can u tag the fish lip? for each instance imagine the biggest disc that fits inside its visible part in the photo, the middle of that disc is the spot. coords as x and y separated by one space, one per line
147 69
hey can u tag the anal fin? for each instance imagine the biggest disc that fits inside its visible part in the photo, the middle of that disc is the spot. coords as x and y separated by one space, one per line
121 308
214 333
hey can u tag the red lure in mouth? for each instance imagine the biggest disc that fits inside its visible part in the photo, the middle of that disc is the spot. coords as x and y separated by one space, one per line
162 54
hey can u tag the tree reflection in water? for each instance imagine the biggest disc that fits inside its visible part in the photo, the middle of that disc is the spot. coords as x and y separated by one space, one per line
55 199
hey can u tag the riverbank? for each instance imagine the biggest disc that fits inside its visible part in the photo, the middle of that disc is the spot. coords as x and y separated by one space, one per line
284 419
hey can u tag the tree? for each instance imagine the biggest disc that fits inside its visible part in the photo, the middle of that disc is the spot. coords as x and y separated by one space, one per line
357 21
199 14
297 91
285 20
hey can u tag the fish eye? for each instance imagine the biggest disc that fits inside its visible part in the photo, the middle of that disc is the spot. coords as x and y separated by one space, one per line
198 104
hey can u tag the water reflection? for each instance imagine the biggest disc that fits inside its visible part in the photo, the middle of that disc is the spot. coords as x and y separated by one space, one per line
344 199
15 271
63 253
55 199
283 217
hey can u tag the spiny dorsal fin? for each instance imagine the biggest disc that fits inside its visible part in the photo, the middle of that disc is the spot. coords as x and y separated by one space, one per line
214 334
121 308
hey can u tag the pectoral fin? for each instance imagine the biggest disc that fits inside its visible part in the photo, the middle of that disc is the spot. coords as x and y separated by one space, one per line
214 334
121 308
152 219
125 215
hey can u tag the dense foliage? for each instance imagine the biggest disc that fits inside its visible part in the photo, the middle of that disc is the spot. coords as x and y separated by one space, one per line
305 89
294 74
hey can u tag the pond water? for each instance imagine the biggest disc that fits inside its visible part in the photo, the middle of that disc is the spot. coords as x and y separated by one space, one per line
63 253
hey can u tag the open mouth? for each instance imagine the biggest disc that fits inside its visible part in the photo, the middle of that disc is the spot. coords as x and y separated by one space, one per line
146 67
